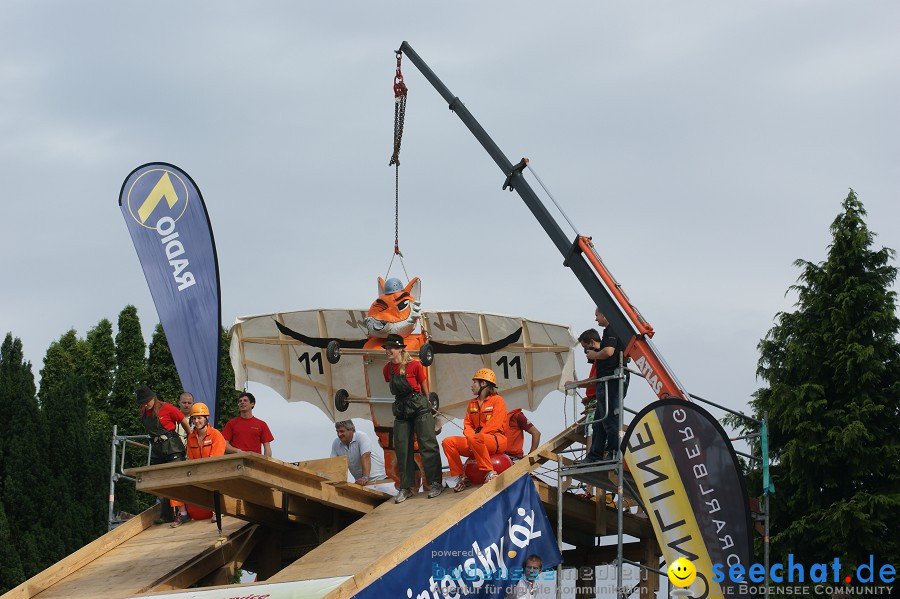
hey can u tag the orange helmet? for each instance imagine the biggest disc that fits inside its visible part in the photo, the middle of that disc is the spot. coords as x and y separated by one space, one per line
199 409
487 375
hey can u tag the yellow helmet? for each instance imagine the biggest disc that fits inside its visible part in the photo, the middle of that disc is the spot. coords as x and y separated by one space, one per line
487 375
199 409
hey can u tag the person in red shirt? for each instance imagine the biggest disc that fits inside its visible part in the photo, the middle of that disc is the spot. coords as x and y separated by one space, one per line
484 429
246 432
516 427
413 420
160 420
590 342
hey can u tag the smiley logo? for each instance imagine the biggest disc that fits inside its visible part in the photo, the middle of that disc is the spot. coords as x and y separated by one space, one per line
682 572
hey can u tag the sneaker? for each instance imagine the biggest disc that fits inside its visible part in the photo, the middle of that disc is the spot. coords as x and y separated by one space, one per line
489 476
461 484
180 519
403 495
436 489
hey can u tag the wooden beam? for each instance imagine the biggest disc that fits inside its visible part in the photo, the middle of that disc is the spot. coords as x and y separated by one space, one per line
235 549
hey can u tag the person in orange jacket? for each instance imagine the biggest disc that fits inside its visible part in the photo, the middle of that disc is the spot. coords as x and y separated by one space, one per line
484 430
203 442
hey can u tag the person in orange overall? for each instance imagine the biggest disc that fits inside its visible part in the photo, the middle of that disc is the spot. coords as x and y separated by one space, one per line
484 430
202 442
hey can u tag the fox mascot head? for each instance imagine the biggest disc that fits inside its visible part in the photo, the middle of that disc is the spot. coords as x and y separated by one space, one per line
396 310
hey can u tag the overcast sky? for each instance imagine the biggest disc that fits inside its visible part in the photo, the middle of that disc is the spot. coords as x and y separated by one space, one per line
705 146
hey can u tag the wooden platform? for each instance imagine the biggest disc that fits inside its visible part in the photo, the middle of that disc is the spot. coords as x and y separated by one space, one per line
307 523
260 489
140 557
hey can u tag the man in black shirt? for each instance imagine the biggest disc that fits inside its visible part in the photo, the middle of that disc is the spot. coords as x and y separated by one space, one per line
605 435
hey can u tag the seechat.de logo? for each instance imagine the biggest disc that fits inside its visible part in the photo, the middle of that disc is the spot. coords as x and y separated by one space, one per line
157 193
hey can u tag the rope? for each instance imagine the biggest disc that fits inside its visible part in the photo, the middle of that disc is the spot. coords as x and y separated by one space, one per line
550 195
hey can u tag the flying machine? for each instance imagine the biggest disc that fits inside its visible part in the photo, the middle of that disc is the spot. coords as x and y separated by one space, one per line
332 358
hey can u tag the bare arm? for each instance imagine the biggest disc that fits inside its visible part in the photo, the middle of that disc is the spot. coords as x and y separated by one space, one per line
365 462
535 438
600 354
229 448
186 425
267 449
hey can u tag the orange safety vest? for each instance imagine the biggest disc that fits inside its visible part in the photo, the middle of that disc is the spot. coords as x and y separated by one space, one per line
213 444
488 418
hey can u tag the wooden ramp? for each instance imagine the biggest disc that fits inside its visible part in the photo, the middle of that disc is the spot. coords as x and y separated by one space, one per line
309 526
140 557
372 546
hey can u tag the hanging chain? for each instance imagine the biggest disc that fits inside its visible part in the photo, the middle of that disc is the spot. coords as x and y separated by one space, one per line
399 117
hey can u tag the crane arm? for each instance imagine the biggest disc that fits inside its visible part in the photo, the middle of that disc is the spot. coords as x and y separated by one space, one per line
580 256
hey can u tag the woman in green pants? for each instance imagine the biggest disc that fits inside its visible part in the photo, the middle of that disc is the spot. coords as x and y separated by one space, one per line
412 419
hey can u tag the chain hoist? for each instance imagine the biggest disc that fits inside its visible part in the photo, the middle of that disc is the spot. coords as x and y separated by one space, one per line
400 91
399 116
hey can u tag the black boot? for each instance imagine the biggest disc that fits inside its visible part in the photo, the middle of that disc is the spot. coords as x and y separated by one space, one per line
166 514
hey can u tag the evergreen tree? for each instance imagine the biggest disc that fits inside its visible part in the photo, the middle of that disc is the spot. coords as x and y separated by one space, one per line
11 573
101 367
24 470
162 376
832 369
79 487
131 372
228 395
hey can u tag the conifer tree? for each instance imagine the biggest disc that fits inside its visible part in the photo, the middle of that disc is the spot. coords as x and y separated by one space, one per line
162 376
131 372
100 370
101 366
11 573
24 471
832 370
79 487
228 395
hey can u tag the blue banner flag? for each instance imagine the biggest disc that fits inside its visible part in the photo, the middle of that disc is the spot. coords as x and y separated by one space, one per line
483 554
170 229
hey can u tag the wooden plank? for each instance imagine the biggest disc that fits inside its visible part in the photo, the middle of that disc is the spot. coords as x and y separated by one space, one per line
334 469
133 566
83 556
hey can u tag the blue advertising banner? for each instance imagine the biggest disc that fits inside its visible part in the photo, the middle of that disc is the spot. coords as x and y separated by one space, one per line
170 229
483 554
